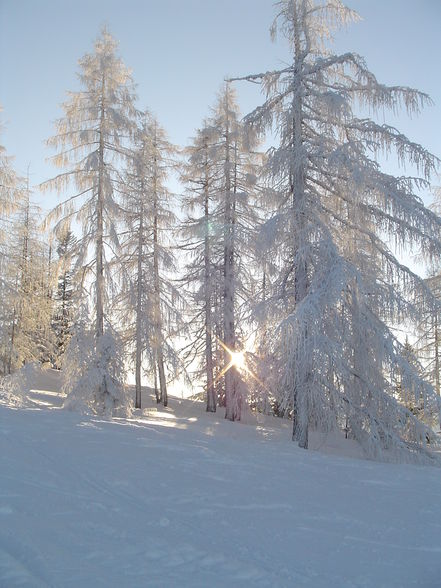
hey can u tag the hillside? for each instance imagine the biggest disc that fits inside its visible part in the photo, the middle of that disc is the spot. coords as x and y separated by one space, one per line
179 497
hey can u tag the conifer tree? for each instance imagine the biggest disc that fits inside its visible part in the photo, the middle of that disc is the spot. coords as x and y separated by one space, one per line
427 346
428 343
89 365
330 309
30 303
220 177
199 175
64 298
91 139
150 301
11 185
11 196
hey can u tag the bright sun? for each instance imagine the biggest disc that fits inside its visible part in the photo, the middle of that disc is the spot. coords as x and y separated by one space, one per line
238 359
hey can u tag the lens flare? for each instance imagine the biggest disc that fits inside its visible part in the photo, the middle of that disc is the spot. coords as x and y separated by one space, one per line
238 359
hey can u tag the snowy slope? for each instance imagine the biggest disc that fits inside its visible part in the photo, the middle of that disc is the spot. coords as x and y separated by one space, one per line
182 498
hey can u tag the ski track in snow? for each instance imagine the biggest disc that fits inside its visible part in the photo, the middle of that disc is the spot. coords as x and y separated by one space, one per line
178 497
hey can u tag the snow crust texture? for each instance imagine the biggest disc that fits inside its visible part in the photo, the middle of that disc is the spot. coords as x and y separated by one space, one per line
182 497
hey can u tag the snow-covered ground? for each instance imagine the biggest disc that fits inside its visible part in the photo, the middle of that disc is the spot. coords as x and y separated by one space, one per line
178 497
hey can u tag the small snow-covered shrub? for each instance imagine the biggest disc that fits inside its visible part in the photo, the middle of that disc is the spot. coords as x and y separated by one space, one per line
14 388
93 375
8 393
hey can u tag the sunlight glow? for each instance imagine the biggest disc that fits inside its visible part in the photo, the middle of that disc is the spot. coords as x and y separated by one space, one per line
238 359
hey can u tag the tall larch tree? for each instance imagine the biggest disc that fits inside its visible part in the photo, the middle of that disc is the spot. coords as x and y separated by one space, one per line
167 301
91 141
135 297
12 193
234 210
330 309
221 181
428 343
427 346
199 175
148 292
11 185
64 296
30 303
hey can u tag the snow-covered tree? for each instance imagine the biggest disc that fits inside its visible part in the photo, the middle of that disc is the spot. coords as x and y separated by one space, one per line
29 302
93 371
334 355
11 185
199 175
64 297
428 344
220 179
91 139
11 196
150 301
135 297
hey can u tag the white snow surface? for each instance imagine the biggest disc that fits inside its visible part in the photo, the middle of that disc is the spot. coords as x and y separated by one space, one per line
179 497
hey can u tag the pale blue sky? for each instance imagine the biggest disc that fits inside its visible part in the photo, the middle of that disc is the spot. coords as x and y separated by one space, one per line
180 50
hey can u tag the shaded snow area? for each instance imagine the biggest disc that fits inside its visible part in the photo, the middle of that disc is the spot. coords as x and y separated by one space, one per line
178 497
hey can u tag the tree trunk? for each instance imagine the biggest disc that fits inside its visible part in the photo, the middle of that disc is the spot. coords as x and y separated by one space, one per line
22 285
157 293
301 428
302 368
218 351
100 224
211 392
138 359
155 376
232 412
359 351
162 380
11 349
437 365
